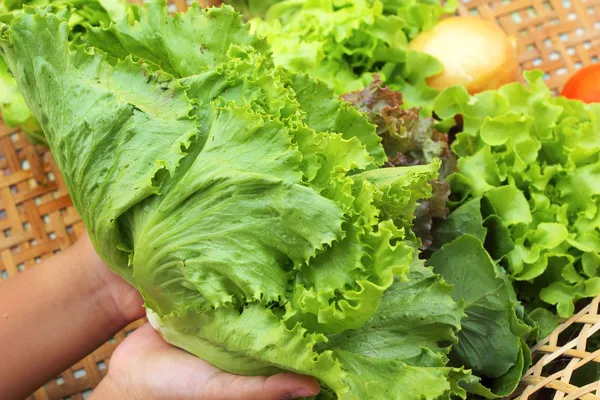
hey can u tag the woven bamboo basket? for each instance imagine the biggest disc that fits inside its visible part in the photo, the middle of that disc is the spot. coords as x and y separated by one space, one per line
37 218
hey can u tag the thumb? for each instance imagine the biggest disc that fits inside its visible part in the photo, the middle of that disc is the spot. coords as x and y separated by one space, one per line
282 386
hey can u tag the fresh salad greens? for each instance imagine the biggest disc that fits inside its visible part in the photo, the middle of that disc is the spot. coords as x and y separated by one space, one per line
344 43
252 8
391 252
243 201
492 336
408 139
533 162
492 339
523 208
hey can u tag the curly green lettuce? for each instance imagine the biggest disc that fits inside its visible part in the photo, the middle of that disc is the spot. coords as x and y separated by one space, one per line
462 248
535 158
252 218
409 138
417 15
344 43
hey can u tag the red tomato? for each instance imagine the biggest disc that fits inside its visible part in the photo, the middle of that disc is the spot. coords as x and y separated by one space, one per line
584 85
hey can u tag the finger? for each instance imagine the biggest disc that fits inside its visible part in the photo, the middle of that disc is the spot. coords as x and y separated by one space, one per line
144 340
282 386
146 336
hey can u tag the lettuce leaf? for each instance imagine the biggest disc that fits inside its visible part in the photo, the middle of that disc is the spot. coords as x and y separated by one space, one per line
409 138
261 233
419 15
546 322
491 340
15 112
345 43
252 8
14 109
535 158
492 337
395 355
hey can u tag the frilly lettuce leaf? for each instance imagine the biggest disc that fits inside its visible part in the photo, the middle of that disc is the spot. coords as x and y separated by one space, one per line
324 113
535 158
93 12
492 338
206 48
409 138
345 43
406 311
395 355
261 236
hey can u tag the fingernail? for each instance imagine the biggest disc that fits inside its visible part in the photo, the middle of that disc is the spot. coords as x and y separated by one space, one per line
299 393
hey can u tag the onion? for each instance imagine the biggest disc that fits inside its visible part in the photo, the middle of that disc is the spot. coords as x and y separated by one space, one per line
475 53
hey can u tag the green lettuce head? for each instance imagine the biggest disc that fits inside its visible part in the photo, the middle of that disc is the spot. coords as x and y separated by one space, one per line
244 202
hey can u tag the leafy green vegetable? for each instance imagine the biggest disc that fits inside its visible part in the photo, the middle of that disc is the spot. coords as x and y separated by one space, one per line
494 334
93 12
344 43
12 104
13 107
409 139
491 340
401 341
252 8
545 320
418 15
258 229
535 159
465 220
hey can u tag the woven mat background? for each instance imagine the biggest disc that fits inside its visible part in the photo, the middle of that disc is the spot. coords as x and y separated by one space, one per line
38 220
564 353
556 36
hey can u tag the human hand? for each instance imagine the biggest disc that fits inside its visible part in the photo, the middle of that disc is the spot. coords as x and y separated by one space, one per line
77 298
145 367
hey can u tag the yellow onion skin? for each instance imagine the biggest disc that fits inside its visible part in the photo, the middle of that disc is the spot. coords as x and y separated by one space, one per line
476 53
